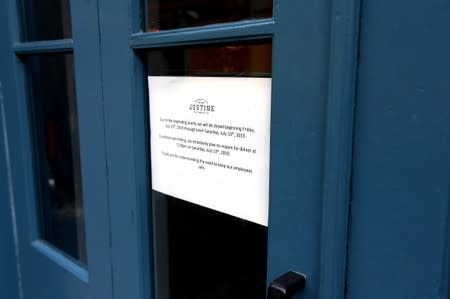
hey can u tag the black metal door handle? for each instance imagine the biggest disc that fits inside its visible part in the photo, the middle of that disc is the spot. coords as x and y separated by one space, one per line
285 286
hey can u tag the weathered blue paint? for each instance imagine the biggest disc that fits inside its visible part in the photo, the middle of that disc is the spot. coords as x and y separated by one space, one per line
400 203
127 144
93 152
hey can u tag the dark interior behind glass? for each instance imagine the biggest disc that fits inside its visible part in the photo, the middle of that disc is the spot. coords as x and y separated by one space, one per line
53 114
173 14
45 19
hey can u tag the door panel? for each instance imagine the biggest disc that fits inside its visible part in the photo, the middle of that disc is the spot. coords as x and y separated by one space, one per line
45 271
300 79
400 204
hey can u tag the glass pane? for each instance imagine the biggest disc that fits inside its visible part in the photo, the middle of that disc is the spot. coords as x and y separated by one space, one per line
202 251
236 60
53 113
172 14
45 20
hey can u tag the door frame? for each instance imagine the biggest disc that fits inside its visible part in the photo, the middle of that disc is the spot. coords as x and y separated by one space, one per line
341 100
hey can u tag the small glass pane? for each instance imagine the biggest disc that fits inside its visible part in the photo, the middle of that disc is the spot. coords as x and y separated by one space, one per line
173 14
201 252
53 113
45 20
236 60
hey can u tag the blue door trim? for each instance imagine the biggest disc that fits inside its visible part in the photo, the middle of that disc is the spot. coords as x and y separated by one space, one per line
10 280
344 30
243 30
126 144
63 45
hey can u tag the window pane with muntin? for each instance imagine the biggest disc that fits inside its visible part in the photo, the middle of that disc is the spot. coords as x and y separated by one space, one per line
45 20
173 14
209 108
54 123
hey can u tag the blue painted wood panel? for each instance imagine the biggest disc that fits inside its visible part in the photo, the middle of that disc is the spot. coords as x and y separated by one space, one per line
126 141
299 91
400 205
9 283
46 272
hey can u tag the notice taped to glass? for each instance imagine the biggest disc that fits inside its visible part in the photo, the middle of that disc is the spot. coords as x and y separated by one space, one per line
210 141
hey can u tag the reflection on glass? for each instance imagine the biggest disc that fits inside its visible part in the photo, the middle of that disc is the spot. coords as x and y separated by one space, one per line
200 253
172 14
57 156
45 20
232 60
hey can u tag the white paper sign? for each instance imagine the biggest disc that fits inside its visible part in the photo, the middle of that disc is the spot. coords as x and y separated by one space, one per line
210 142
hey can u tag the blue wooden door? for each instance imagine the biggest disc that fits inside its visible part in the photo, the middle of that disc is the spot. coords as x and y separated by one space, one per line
53 155
311 129
399 226
313 48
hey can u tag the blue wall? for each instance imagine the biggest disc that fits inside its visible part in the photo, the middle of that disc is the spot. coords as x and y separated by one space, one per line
400 203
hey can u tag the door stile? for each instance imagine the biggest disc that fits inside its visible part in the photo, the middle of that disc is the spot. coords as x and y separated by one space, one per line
344 30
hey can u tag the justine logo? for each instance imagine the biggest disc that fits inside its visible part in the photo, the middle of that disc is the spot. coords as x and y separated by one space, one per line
202 106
